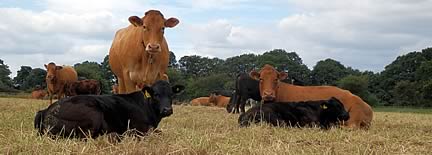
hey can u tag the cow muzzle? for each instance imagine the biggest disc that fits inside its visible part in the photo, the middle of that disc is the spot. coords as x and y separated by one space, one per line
268 96
153 48
166 112
344 117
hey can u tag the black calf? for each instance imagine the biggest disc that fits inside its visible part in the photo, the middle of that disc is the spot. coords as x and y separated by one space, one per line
299 114
90 116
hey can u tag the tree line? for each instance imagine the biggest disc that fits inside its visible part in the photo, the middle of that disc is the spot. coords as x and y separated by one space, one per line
404 82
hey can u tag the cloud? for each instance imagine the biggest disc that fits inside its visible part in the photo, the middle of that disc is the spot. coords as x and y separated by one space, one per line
366 34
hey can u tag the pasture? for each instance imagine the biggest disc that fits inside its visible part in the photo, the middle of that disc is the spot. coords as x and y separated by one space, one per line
211 130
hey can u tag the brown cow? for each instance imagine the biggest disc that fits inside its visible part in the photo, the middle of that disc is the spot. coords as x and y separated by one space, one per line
57 77
139 53
83 87
219 100
38 93
204 101
271 89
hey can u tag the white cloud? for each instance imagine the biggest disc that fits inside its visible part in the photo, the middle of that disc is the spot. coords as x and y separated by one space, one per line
364 34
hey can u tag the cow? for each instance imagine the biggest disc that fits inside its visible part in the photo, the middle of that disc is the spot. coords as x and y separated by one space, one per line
271 89
57 78
324 113
89 116
227 93
139 53
83 87
219 100
245 88
38 93
204 101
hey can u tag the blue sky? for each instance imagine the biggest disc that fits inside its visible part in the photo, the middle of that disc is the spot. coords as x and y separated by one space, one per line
365 35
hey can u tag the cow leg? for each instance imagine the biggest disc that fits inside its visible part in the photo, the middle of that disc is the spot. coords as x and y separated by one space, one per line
50 97
237 104
129 85
242 104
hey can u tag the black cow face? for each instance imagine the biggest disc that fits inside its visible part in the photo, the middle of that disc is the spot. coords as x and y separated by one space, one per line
334 111
162 94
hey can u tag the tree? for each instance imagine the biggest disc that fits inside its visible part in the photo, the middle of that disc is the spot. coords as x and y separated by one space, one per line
22 74
205 85
239 64
108 75
358 85
409 69
286 62
92 70
197 66
328 71
406 93
5 80
35 77
172 60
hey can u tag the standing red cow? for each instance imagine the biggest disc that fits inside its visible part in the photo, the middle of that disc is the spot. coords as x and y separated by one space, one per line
57 77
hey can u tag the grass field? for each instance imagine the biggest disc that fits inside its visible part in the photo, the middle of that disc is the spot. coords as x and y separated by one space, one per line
209 130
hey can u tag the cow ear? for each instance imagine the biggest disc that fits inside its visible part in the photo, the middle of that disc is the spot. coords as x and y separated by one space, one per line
135 21
59 67
254 74
171 22
178 88
165 77
282 75
46 66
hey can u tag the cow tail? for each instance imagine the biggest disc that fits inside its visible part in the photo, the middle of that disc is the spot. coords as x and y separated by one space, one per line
38 122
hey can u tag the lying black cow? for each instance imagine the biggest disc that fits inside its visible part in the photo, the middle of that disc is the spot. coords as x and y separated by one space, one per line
298 114
245 88
91 116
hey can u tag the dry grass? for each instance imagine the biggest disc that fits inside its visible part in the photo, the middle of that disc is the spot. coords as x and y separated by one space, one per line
210 130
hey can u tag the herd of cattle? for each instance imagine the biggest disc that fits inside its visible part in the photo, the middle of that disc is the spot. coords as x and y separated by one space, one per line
139 58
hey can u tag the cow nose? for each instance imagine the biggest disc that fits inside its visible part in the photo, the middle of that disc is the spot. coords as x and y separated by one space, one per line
167 111
345 116
268 96
153 47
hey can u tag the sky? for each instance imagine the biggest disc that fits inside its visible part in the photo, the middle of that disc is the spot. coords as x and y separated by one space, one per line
363 34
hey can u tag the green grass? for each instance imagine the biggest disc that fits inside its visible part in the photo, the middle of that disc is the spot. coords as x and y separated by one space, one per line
210 130
403 109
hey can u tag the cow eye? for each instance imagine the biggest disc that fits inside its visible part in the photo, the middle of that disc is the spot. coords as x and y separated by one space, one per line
162 29
145 27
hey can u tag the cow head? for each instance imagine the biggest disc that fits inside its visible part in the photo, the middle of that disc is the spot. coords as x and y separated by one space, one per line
161 94
332 111
268 81
153 25
213 98
51 72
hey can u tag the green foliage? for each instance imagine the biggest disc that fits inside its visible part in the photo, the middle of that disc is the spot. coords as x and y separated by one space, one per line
328 71
358 85
205 85
108 75
172 60
406 93
36 77
92 70
239 64
22 74
288 62
197 66
5 80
